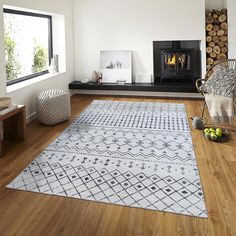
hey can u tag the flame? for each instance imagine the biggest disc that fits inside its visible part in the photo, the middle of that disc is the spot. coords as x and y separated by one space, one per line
172 61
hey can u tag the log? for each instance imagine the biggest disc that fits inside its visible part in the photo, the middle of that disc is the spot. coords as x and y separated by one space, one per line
208 67
209 27
213 55
215 16
210 61
212 44
222 18
220 32
216 27
207 12
226 44
224 50
216 39
223 26
221 56
216 21
224 11
216 49
221 44
209 20
218 12
209 38
212 33
215 62
223 38
209 49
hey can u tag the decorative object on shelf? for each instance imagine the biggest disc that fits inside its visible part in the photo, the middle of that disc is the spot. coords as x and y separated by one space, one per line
56 62
85 81
53 106
216 37
99 80
6 105
52 68
97 77
4 102
116 65
121 82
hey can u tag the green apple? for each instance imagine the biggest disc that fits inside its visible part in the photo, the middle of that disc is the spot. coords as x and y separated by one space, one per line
212 129
219 132
213 132
213 136
206 130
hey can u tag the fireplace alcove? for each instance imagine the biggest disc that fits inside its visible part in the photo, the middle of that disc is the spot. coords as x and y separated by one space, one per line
176 65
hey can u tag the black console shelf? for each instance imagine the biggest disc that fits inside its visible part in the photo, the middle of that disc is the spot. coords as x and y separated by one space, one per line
175 87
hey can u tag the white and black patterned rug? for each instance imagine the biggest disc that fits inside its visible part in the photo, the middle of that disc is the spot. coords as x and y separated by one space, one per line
136 154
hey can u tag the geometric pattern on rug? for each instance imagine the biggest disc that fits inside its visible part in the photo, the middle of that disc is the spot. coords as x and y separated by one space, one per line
137 154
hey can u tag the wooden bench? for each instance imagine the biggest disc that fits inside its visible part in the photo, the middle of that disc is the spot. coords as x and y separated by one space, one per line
13 125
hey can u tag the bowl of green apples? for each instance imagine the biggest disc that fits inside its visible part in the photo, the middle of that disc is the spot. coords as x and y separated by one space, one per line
213 134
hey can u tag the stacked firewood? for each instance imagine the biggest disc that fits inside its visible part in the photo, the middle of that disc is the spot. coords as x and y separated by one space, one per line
216 36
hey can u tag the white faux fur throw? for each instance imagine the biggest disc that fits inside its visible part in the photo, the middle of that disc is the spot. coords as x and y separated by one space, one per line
221 109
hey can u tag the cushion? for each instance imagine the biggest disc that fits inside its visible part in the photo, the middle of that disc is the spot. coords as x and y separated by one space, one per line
221 82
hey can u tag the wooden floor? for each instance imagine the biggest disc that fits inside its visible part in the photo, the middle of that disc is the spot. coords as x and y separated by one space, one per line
25 213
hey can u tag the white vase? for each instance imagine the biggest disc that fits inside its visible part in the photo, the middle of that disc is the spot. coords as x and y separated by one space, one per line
52 68
56 61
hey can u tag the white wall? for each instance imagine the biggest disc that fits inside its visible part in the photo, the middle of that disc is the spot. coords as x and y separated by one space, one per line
231 4
132 25
27 95
216 4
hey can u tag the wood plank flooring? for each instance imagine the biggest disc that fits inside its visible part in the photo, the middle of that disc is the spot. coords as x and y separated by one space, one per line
25 213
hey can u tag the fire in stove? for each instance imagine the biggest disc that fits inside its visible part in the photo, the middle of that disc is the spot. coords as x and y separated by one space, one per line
172 60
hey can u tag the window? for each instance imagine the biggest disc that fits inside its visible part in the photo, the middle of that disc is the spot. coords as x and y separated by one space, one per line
28 44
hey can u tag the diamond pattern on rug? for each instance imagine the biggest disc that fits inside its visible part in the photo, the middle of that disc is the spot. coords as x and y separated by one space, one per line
122 153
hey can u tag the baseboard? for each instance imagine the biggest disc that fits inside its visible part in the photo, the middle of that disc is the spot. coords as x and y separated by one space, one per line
30 118
139 93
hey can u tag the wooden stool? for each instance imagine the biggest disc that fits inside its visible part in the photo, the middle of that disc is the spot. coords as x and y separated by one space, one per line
13 125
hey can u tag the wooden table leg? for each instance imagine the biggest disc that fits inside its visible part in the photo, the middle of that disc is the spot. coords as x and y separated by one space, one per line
14 127
1 137
21 124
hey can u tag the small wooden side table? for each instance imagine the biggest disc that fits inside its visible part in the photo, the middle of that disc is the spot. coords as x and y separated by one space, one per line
13 125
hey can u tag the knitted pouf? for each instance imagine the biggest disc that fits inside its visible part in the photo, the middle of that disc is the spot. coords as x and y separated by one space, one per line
52 107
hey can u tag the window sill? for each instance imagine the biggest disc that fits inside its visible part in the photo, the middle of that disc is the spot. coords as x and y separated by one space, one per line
23 84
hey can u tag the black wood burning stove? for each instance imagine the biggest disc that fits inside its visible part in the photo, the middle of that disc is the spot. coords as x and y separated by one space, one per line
176 65
176 62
